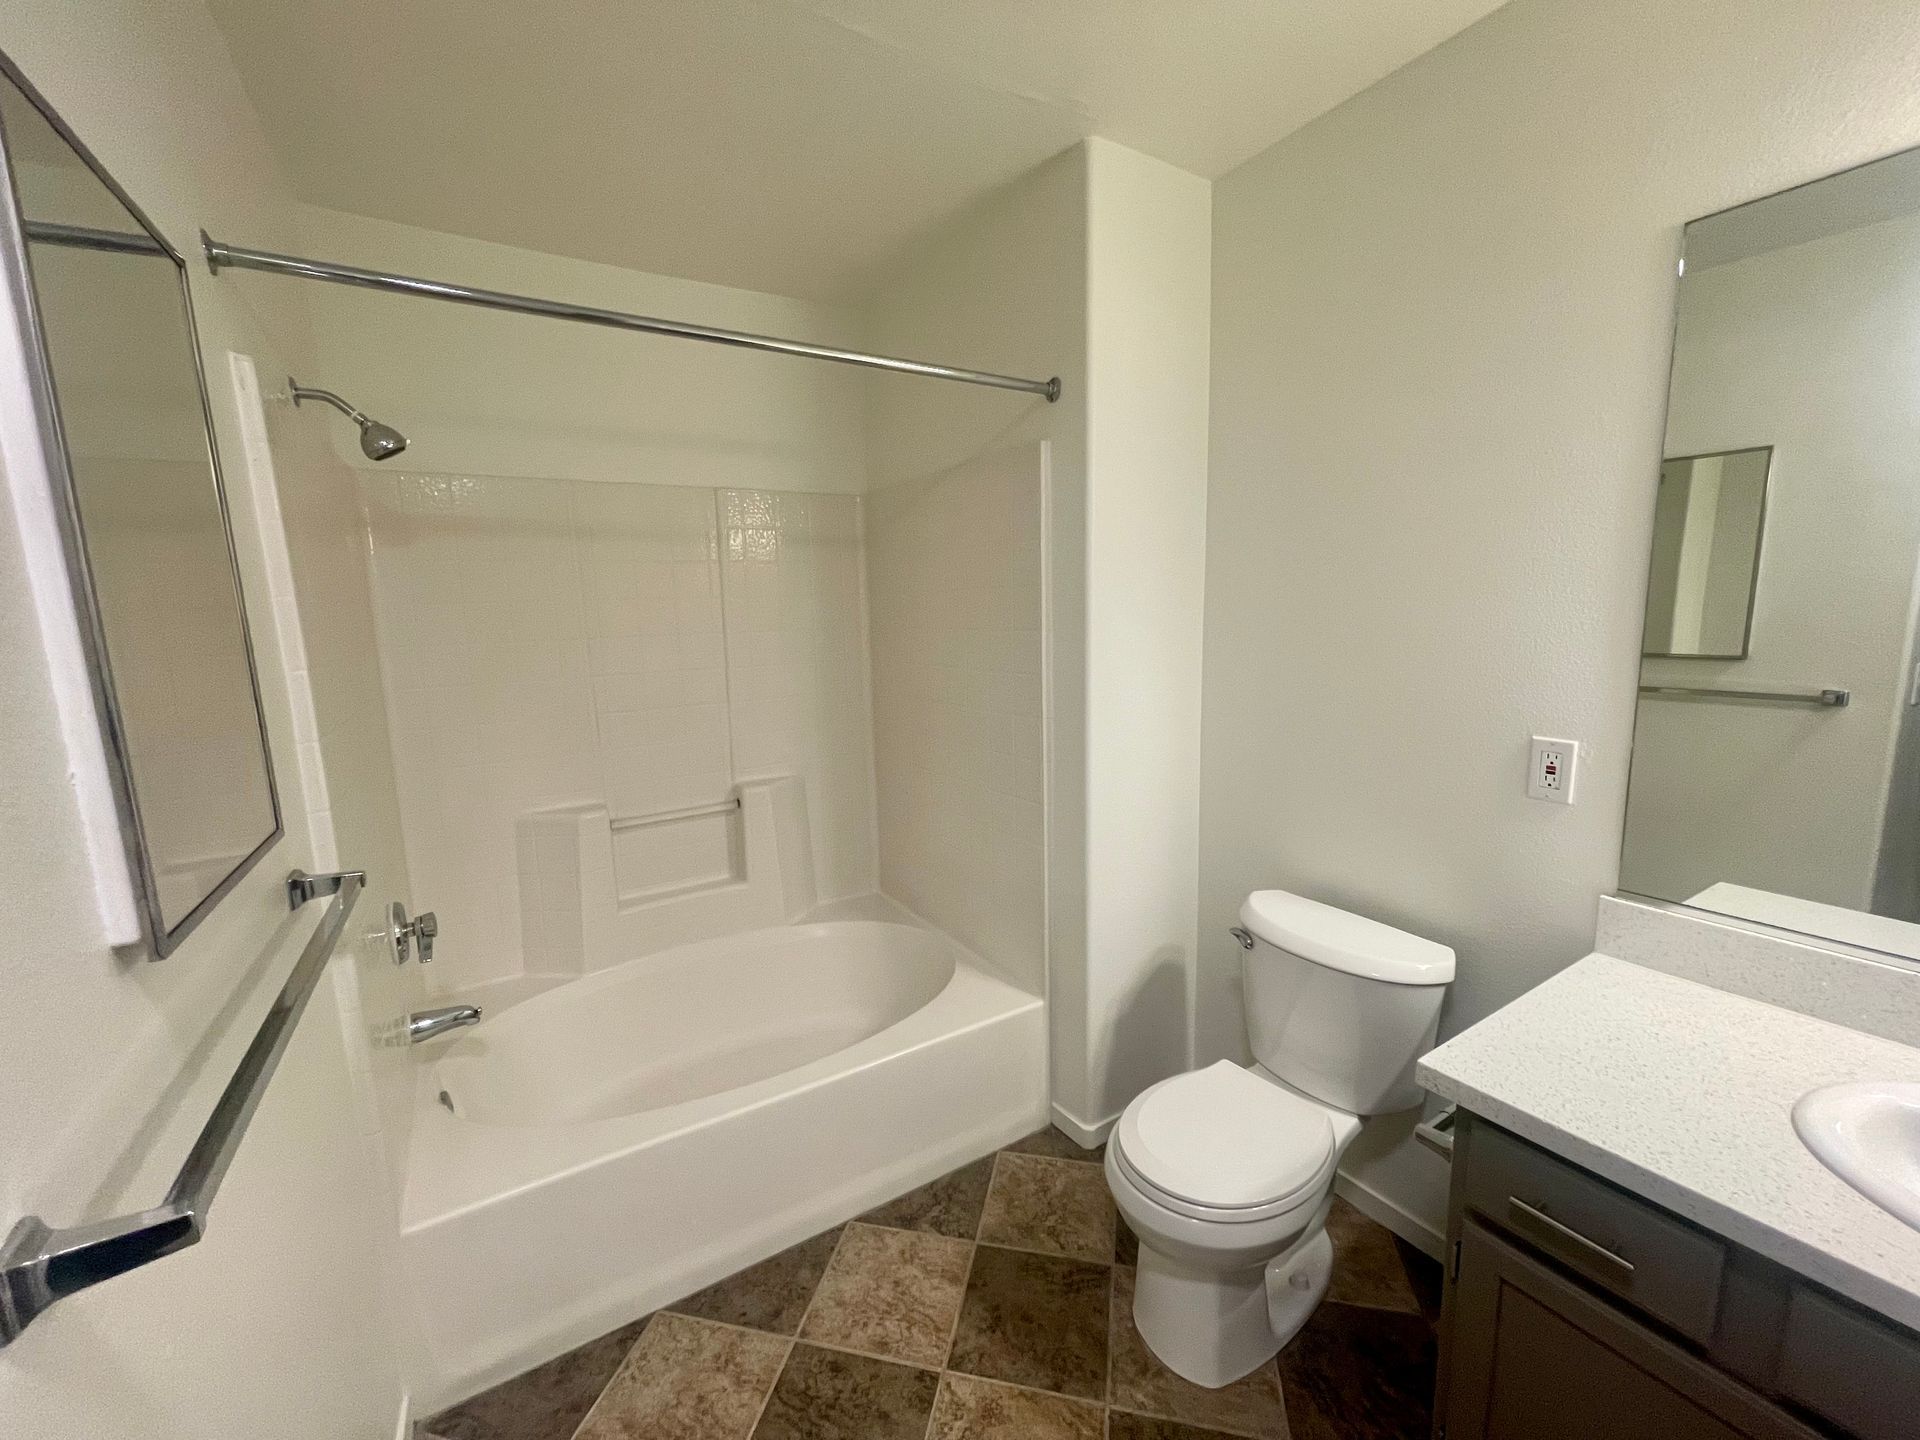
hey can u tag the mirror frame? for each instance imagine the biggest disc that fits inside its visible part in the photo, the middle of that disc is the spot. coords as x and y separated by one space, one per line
1745 652
18 278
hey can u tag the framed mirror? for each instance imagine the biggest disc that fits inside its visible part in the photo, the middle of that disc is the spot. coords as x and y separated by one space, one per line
122 401
1776 753
1707 524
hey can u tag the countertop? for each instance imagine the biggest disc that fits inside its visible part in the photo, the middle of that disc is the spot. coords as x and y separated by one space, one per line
1684 1094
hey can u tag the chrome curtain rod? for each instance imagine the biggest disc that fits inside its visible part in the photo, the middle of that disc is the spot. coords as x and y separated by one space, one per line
220 255
1829 699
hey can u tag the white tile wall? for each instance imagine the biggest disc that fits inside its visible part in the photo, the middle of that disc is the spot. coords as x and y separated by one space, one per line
791 570
955 589
551 643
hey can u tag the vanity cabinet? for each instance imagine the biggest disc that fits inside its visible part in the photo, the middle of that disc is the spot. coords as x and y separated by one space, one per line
1576 1310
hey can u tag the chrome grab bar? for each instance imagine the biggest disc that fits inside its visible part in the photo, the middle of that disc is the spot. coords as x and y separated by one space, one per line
1831 699
39 1264
661 817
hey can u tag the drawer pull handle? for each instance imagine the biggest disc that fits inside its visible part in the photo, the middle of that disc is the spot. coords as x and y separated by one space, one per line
1546 1227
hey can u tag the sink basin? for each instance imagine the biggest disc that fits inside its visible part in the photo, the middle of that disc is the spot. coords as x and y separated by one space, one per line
1868 1134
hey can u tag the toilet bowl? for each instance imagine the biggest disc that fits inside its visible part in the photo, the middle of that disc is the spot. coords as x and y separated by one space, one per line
1225 1174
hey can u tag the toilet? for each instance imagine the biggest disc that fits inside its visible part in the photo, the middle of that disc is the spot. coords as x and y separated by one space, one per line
1226 1174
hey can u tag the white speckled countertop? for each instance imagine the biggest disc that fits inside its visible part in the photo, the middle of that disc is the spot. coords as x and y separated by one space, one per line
1684 1094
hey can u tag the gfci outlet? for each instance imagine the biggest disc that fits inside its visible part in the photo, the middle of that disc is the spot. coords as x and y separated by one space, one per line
1552 769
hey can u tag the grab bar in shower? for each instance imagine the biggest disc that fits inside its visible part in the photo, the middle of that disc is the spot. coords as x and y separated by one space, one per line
1829 699
661 817
39 1264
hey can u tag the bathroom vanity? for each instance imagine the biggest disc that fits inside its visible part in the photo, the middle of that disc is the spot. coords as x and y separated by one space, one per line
1639 1244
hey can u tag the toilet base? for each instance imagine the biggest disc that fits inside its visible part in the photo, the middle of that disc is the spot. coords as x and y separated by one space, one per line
1213 1328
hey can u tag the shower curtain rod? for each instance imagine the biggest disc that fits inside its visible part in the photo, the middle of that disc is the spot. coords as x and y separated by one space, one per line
220 254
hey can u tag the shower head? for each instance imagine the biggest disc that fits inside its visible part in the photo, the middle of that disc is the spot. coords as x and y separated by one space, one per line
380 442
377 441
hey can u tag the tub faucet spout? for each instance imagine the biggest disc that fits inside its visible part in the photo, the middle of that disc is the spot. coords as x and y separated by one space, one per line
425 1024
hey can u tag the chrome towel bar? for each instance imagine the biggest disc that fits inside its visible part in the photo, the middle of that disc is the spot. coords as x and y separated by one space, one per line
39 1264
1829 699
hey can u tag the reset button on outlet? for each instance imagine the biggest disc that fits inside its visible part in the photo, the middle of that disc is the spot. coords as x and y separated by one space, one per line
1552 768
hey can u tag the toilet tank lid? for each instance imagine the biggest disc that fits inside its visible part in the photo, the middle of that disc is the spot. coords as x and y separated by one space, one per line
1340 940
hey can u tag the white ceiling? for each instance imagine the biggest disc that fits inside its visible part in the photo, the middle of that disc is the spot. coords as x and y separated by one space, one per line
783 145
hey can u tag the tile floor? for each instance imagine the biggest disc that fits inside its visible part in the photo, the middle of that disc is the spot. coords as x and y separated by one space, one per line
991 1304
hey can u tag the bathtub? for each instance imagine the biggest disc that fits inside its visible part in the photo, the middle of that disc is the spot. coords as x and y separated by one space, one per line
622 1139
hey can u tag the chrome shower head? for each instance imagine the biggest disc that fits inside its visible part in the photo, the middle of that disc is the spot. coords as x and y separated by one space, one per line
380 442
377 441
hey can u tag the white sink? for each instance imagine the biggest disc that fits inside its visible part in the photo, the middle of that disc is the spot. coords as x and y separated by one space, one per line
1868 1133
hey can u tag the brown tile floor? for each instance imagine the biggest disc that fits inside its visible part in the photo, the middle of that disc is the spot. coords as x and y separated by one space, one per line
994 1303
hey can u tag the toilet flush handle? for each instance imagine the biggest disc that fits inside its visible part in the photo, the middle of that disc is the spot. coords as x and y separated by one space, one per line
1239 933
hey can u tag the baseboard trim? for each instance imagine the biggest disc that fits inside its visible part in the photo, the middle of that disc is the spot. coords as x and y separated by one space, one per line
1087 1137
1402 1222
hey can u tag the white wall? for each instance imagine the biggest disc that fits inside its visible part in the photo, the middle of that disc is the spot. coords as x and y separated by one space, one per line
647 647
1149 241
1441 325
1815 350
123 1058
1093 267
1004 288
485 393
955 574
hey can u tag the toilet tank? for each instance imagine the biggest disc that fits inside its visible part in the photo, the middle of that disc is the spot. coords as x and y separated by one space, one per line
1340 1006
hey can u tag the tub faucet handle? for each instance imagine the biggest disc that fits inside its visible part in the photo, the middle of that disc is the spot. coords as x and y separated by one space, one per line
403 933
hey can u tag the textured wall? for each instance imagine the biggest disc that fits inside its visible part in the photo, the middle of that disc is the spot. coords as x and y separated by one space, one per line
1441 325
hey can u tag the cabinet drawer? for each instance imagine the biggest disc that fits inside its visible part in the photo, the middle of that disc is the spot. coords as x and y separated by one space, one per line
1850 1369
1622 1245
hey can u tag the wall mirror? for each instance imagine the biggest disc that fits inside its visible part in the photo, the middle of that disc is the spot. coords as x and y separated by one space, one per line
1776 752
150 550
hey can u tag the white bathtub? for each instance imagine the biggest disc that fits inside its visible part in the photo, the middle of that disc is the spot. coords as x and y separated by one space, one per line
623 1139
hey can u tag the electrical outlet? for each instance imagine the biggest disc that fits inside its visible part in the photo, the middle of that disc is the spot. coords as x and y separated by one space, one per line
1552 768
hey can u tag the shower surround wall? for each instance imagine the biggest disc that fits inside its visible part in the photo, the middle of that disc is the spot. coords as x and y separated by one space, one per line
955 571
646 647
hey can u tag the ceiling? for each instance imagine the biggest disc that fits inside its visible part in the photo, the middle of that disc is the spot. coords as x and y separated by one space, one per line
782 145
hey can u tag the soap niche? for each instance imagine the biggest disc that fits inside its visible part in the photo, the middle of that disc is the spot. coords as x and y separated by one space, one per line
595 891
662 855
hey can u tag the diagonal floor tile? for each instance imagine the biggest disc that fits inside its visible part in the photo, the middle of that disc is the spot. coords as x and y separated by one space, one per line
1355 1373
1124 1426
1037 1320
830 1395
1250 1406
1366 1262
772 1295
947 1206
1060 1207
688 1379
892 1293
973 1409
547 1402
1057 1143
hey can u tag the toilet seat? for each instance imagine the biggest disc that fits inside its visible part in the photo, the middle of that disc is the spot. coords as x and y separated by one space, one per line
1223 1145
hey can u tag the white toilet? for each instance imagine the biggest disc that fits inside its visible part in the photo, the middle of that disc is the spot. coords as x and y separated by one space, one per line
1226 1174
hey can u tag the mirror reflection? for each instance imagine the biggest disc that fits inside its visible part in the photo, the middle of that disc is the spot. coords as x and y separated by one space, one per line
148 516
1706 554
1776 765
